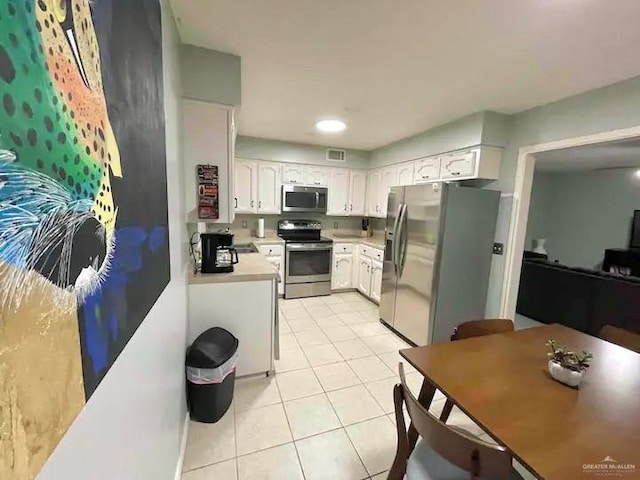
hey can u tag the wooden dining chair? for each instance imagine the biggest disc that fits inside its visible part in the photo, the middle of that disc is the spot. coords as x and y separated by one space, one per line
443 451
621 337
476 328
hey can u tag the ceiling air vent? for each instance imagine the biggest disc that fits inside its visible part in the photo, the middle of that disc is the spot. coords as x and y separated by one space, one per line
335 155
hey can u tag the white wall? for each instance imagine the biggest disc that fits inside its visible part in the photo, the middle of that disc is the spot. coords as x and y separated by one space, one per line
131 428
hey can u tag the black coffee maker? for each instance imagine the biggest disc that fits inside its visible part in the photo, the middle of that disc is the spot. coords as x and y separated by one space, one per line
217 254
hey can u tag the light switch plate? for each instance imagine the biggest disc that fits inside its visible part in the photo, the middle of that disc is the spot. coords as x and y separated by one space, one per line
244 224
335 224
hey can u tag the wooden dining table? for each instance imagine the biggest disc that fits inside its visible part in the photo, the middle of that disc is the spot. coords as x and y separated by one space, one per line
501 382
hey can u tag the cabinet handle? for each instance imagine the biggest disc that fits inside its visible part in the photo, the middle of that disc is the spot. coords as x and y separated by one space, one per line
351 207
455 173
345 207
252 203
368 269
260 204
236 199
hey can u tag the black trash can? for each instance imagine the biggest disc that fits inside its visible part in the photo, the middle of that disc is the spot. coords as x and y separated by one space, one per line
211 372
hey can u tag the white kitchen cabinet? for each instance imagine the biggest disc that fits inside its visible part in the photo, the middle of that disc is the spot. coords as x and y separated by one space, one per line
293 174
342 271
364 275
246 186
458 165
208 132
316 176
405 174
269 187
357 192
369 277
376 280
388 179
427 170
338 198
373 193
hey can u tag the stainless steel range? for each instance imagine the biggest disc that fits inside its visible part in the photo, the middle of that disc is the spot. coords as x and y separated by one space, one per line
308 259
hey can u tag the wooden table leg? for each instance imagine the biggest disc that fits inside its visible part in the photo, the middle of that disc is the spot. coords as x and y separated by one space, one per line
425 398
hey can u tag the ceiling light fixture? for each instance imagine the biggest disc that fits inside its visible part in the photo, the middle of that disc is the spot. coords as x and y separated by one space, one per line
638 173
331 126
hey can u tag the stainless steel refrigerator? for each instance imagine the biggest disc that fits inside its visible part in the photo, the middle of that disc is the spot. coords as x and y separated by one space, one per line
439 243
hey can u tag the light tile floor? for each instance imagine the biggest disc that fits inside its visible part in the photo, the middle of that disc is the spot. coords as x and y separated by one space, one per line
328 411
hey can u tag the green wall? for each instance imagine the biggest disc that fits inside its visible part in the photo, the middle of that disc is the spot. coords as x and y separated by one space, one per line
609 108
202 68
583 213
281 151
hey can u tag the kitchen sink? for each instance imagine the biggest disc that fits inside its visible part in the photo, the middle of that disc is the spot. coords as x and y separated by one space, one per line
245 248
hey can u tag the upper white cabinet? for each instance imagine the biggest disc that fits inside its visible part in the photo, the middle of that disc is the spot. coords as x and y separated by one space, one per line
389 178
316 176
208 132
293 174
357 192
257 187
269 187
338 201
458 165
426 170
373 193
246 186
405 174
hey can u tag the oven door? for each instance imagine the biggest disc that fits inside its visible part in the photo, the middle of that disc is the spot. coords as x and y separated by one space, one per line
304 199
308 262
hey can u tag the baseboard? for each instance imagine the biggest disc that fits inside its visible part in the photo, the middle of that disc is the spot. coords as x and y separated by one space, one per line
183 447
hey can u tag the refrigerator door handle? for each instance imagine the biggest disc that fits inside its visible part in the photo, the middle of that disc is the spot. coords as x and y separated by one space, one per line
405 242
401 243
394 242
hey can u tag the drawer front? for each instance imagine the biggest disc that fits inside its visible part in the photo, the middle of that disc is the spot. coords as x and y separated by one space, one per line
339 248
377 254
271 250
366 251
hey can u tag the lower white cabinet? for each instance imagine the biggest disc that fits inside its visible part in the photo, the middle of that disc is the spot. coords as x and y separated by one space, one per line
369 277
342 272
376 280
364 275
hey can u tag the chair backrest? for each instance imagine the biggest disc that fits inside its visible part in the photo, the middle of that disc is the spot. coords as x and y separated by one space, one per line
478 328
621 337
457 446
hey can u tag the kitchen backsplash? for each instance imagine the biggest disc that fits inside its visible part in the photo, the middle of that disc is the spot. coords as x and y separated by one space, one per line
243 222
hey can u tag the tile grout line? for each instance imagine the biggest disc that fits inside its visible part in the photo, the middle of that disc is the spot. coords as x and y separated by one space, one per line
286 416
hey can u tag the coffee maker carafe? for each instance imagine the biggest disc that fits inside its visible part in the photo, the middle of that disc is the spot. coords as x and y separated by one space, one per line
217 254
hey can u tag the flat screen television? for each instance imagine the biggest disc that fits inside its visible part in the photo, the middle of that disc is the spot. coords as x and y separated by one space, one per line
635 230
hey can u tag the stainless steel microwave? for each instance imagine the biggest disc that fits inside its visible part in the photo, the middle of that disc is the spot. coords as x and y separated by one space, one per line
304 199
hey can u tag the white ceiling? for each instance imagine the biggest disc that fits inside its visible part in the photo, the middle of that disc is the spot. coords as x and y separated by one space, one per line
618 154
392 68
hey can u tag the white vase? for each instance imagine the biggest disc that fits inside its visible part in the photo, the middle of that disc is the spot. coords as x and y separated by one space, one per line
538 246
565 375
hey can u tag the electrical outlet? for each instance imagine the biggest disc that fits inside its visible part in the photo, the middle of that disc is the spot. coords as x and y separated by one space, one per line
498 248
335 224
244 224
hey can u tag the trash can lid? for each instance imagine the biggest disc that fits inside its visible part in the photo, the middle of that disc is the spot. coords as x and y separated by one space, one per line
212 348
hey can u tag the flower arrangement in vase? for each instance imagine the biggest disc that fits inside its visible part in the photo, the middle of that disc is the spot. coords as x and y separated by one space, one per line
566 366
